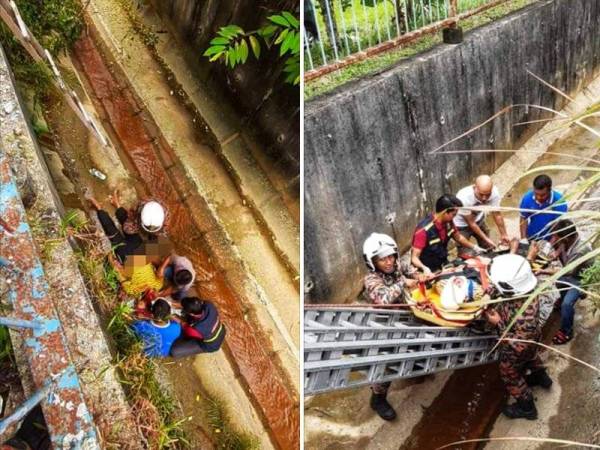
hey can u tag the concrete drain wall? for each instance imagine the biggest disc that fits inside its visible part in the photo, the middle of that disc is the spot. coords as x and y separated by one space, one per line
367 145
85 339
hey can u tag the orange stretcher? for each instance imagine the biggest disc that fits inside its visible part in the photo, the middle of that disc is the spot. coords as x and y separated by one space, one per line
426 305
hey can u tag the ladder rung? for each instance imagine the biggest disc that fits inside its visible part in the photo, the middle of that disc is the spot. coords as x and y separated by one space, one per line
346 345
370 360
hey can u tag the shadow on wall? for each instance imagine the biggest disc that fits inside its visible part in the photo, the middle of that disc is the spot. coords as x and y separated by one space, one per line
367 145
256 88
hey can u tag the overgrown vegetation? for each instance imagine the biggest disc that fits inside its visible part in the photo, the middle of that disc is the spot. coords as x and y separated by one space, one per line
385 60
233 45
591 280
56 24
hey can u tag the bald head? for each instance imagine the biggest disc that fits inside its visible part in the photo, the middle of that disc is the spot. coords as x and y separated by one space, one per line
483 187
484 182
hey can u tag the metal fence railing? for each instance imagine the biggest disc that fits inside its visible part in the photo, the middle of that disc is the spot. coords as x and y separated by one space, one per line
340 32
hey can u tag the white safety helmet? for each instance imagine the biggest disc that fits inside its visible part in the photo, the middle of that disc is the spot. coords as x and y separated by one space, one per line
152 217
380 245
512 275
456 291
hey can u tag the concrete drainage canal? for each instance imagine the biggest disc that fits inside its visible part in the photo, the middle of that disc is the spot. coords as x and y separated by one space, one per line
228 212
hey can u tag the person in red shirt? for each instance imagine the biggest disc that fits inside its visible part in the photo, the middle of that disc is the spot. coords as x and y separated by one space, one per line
432 234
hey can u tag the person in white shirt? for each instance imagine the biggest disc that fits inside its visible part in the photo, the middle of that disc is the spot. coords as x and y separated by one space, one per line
472 223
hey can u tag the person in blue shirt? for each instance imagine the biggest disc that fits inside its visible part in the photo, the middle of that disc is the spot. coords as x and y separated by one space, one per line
158 333
535 224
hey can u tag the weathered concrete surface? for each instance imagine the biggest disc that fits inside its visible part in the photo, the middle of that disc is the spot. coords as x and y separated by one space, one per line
85 340
366 145
256 87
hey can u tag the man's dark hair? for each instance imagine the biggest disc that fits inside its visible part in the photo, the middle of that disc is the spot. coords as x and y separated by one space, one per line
447 202
542 182
192 305
564 229
182 277
160 309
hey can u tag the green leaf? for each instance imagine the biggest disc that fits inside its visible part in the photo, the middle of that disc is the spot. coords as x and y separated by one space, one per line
226 33
291 19
282 36
244 50
215 57
285 45
255 46
279 20
237 30
268 31
214 50
230 31
295 46
238 53
220 41
232 57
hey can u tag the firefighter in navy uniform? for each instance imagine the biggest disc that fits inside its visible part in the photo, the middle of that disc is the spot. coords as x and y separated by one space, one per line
384 284
203 332
432 234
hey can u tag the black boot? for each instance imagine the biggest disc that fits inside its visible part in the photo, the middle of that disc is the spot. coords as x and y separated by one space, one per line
539 378
381 406
522 409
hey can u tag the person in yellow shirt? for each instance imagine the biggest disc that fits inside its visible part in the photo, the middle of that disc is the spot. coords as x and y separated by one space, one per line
139 275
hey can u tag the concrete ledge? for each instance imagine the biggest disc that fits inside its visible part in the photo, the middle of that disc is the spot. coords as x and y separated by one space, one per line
85 339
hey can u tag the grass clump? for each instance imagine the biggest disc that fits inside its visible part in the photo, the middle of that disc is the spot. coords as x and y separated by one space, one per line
385 60
591 281
223 433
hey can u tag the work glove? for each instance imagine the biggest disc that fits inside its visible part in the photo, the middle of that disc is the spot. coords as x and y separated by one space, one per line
478 250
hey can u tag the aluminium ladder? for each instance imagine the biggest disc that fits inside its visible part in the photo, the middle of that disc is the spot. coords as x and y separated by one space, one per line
347 347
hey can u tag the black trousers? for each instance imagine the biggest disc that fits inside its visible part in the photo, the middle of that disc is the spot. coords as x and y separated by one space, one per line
123 244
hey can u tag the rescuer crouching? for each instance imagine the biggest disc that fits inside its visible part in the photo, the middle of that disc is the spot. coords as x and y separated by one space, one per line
432 235
513 277
384 285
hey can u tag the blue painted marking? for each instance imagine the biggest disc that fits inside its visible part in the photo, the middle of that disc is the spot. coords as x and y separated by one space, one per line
38 283
34 344
69 380
8 192
28 309
48 326
23 227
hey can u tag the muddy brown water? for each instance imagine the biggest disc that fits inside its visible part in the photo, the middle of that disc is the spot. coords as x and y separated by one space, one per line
153 160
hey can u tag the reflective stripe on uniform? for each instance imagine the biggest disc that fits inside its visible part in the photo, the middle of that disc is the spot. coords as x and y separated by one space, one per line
216 335
435 241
